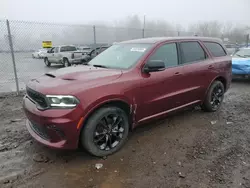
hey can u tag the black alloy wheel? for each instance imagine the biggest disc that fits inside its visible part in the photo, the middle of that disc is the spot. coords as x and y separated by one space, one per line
214 97
105 131
217 96
109 131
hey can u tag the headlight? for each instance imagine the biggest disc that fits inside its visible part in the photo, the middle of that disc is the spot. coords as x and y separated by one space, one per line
62 101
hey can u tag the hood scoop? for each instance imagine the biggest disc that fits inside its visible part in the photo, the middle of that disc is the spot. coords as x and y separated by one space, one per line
50 75
63 78
70 79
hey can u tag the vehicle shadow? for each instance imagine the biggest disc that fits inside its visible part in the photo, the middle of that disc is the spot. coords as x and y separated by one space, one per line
79 155
240 79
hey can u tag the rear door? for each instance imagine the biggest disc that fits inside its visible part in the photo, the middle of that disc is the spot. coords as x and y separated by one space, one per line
222 63
195 61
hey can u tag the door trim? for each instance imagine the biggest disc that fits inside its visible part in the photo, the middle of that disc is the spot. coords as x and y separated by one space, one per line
167 111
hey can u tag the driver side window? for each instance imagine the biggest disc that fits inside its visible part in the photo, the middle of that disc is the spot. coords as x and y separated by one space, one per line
166 53
52 50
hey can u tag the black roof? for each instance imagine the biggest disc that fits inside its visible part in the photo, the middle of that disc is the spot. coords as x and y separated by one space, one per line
154 40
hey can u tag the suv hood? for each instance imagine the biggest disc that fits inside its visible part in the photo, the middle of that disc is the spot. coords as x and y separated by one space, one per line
73 79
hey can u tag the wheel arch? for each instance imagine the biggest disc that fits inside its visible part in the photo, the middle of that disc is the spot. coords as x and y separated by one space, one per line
64 58
123 104
218 78
222 79
118 102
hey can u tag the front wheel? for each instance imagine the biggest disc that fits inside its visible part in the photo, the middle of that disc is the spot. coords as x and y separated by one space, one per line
46 61
105 131
214 98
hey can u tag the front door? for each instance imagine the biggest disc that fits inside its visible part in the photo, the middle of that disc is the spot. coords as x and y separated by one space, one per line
50 55
159 92
56 55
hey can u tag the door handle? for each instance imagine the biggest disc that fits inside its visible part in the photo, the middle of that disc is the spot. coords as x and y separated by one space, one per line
210 67
177 73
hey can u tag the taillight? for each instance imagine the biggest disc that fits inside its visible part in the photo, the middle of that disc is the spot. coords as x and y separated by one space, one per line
72 56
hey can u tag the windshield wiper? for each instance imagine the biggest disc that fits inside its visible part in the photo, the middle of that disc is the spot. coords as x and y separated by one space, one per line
101 66
240 55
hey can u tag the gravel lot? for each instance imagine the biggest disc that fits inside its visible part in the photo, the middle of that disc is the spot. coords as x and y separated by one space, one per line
188 149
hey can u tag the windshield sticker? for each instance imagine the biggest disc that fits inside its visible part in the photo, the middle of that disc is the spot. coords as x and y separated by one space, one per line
138 49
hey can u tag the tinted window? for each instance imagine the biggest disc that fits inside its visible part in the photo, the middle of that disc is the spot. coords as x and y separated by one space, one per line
191 52
63 49
56 49
52 50
167 53
68 48
215 49
71 48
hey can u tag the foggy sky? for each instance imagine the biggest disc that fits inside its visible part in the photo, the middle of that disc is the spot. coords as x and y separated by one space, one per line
86 11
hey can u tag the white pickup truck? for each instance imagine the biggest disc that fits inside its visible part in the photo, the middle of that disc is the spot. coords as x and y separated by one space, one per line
66 55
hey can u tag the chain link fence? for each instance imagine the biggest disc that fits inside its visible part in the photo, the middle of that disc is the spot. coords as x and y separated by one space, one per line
19 39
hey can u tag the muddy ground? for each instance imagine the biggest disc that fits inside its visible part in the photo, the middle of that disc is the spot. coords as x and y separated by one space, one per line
188 149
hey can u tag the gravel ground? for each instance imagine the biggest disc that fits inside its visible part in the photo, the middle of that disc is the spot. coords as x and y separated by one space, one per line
188 149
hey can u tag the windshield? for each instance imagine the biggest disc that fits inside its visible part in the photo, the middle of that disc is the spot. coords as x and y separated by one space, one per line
120 56
243 53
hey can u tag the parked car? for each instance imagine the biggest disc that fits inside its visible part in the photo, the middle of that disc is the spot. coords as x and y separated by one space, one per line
85 51
231 48
84 48
94 52
241 62
130 83
41 53
66 55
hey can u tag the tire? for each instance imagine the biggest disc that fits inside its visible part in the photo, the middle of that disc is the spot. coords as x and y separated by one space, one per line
66 62
214 97
46 61
104 116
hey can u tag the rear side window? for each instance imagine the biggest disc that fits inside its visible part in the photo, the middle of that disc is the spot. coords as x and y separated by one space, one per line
56 49
71 48
191 52
215 49
63 49
167 53
68 48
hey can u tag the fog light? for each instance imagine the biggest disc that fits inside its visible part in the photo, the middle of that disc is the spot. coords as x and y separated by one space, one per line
51 126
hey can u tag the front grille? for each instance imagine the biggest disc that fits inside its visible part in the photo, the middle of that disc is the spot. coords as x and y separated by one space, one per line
37 97
39 130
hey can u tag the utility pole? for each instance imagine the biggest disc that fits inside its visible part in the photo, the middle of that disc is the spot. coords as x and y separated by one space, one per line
143 30
247 40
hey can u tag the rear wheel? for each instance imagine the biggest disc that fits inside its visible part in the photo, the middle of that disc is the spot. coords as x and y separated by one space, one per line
46 61
214 97
105 131
66 62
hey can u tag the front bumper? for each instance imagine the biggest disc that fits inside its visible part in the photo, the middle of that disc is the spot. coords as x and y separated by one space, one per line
56 128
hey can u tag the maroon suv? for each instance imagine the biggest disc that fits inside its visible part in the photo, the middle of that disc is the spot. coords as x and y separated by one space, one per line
130 83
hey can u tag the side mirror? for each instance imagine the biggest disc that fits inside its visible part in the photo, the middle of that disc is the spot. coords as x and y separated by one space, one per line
48 51
154 66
